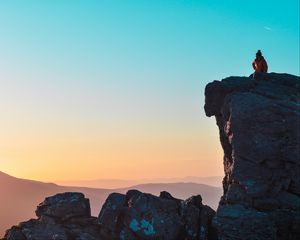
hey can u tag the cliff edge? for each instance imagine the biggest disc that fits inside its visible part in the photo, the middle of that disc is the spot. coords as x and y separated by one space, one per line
259 126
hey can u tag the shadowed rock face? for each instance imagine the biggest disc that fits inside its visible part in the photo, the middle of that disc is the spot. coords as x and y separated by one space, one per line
134 216
259 125
139 215
64 206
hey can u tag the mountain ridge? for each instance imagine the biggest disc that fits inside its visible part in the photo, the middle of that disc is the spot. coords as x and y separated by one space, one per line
121 183
22 206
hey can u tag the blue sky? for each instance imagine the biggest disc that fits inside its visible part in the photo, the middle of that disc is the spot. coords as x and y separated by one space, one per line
68 67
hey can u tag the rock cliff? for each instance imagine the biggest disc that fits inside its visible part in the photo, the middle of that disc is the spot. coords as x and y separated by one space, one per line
259 125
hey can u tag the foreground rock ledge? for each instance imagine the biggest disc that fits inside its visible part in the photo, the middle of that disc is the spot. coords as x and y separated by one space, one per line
134 216
259 125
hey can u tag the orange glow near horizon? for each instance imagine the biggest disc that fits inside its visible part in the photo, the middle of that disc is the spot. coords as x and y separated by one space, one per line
134 153
116 89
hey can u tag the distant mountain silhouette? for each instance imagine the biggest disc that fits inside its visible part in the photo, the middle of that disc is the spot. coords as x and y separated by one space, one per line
211 195
215 181
19 197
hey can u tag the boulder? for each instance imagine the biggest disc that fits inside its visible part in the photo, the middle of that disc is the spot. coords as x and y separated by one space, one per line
139 215
134 216
64 216
64 206
197 219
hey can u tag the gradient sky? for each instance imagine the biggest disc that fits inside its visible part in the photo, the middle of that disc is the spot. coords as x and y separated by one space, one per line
115 89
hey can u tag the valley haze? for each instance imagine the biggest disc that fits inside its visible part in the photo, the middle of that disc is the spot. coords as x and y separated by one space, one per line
24 195
215 181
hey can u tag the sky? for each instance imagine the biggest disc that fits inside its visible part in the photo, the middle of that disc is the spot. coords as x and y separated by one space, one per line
115 89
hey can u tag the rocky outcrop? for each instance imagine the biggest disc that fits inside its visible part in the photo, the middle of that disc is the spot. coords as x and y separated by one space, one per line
60 217
139 215
134 216
259 125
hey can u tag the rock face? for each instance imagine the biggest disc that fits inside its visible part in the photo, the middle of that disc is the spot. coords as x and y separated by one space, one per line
134 216
64 206
259 125
139 215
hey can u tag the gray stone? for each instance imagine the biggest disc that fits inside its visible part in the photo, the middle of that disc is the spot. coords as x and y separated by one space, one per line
259 125
64 206
77 224
111 216
144 216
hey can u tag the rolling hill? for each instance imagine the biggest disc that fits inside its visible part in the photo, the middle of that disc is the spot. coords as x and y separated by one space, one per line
19 197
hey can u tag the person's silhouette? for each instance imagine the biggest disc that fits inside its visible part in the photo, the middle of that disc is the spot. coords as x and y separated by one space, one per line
259 64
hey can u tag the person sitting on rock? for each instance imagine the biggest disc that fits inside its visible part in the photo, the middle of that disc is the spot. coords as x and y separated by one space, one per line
259 64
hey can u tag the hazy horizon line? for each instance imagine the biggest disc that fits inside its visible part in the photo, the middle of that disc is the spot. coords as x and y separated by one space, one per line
120 179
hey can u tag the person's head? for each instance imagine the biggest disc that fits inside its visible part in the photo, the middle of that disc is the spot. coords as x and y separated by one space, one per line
258 54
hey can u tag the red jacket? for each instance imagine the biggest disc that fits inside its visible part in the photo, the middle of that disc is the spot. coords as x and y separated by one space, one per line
260 65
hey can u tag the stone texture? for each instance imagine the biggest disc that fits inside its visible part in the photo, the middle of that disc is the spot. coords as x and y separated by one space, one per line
259 125
197 219
64 206
64 216
111 215
134 216
139 215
